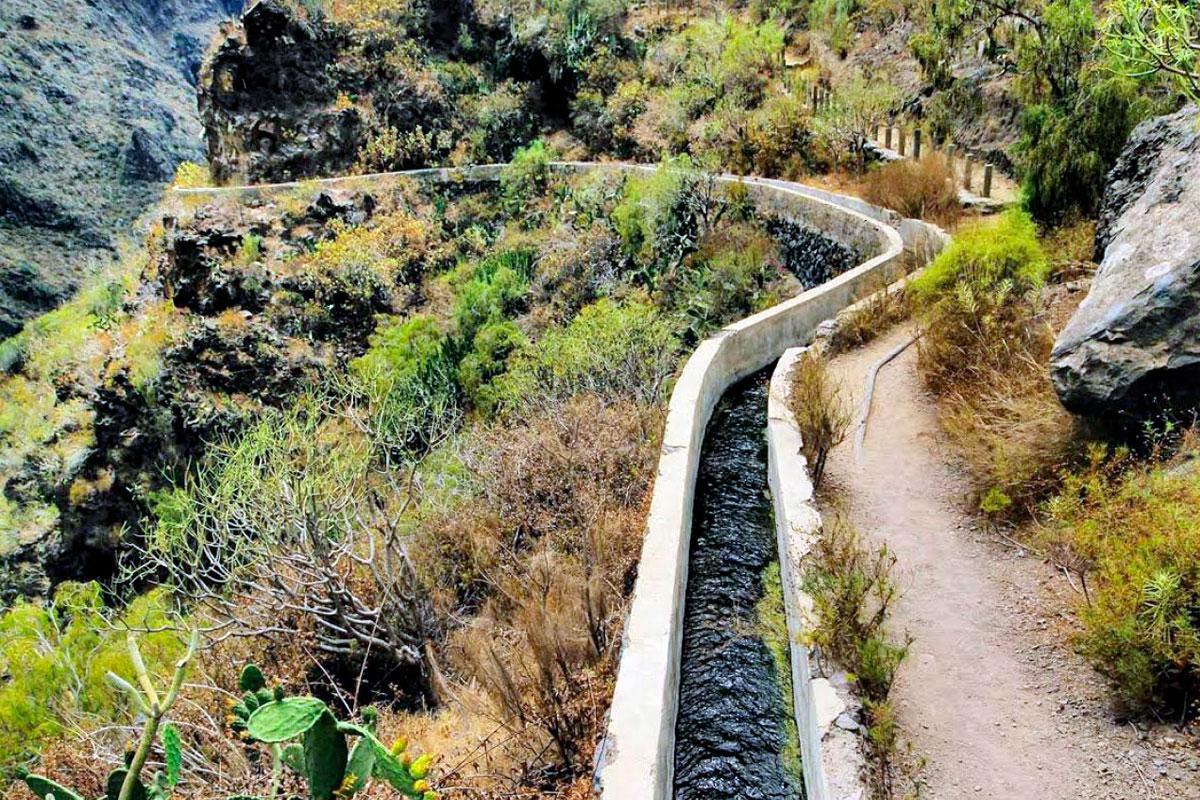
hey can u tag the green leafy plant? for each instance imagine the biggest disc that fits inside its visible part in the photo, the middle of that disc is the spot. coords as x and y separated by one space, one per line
1156 37
125 783
304 735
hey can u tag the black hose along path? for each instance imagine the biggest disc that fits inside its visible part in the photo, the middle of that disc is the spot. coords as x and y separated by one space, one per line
733 720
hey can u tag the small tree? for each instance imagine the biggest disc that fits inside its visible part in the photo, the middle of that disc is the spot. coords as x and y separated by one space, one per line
303 514
860 105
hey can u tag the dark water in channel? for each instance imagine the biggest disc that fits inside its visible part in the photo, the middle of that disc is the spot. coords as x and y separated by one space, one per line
731 725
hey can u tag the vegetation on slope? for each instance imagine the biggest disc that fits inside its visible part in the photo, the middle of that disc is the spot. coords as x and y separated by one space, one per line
420 429
1122 526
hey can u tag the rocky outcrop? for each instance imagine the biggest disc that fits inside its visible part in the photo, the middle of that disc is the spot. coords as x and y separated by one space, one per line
1134 344
97 107
284 96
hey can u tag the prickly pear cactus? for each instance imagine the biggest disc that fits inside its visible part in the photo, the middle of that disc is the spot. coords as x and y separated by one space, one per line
44 787
331 768
284 720
256 695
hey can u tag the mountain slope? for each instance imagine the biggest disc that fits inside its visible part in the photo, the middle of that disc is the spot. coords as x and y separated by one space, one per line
97 106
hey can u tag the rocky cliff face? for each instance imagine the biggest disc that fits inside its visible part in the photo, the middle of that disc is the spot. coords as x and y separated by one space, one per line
97 106
285 95
1134 344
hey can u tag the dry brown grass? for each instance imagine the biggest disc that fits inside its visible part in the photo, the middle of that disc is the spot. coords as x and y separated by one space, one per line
869 319
921 189
816 403
984 353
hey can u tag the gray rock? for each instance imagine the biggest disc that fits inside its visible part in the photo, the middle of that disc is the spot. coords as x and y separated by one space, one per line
1133 346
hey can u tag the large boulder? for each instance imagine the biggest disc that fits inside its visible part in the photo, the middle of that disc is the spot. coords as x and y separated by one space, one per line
1134 344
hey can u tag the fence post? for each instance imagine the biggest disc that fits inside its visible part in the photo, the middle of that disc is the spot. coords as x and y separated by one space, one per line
988 169
916 144
815 91
968 166
887 136
950 153
900 143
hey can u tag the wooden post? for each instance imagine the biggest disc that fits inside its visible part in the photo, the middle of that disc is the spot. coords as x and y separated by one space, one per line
968 166
815 92
900 142
916 144
988 169
950 153
887 136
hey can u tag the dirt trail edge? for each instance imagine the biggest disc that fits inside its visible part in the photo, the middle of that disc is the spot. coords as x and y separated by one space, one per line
991 695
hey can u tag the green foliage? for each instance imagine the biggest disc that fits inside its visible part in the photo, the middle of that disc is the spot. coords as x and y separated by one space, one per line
852 592
1065 153
496 290
1132 535
655 219
723 282
494 343
124 783
984 255
408 378
56 655
771 615
525 177
189 175
617 351
1154 38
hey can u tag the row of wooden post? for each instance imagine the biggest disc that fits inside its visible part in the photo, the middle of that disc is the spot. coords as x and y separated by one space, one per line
822 99
893 138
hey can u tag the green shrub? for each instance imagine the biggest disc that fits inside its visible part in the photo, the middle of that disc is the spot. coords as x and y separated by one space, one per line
408 379
723 281
655 219
494 344
496 290
1065 154
525 177
189 175
54 656
985 254
617 351
1132 534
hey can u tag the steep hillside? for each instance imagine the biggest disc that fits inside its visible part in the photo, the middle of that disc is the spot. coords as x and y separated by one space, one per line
98 106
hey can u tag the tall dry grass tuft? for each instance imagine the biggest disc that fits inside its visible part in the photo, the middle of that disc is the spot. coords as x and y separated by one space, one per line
923 189
986 340
821 414
866 321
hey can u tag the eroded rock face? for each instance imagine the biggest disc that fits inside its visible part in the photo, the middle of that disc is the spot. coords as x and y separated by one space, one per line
1134 344
284 97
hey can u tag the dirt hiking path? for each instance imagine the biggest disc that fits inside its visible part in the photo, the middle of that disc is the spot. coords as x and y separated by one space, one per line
990 696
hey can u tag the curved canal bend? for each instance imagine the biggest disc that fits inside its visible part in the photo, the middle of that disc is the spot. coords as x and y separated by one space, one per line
734 735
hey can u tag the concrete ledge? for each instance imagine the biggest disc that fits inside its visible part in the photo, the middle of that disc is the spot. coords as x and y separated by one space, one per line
637 758
832 758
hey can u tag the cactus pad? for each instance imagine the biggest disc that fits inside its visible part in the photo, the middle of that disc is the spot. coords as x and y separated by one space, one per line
281 720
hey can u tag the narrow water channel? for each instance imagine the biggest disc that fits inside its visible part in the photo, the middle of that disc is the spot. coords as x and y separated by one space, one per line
733 737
